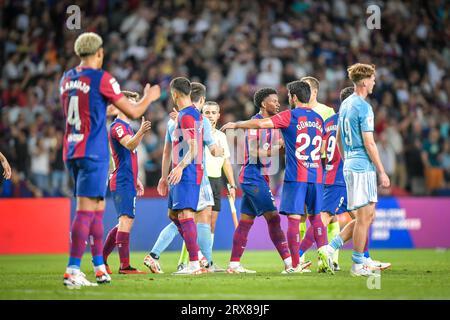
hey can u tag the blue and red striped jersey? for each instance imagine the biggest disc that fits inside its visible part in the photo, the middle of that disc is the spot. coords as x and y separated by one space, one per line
333 173
253 168
303 133
124 176
189 126
85 93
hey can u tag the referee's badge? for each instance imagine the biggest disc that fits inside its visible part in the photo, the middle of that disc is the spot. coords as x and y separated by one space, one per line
266 146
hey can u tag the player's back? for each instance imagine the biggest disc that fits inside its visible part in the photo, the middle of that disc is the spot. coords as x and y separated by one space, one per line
324 111
84 96
355 117
189 126
333 174
303 132
253 169
124 176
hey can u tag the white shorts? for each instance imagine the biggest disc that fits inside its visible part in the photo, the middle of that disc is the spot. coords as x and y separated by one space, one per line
361 188
205 198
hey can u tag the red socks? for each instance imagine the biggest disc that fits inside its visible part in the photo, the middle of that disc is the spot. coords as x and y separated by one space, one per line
277 236
190 237
123 245
240 239
110 243
293 237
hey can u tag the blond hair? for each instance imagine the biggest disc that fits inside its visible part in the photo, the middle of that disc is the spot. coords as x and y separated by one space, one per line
87 44
359 71
313 82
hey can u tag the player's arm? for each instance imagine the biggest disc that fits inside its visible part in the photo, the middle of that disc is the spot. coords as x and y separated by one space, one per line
6 166
165 166
260 152
131 142
340 146
228 169
372 151
249 124
188 130
134 110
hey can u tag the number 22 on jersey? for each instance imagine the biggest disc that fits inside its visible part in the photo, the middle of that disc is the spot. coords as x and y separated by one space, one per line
304 141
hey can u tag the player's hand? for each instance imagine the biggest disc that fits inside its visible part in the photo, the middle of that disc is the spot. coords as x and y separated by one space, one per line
145 126
163 187
232 193
6 169
384 180
173 115
153 92
220 152
281 143
175 175
140 188
229 125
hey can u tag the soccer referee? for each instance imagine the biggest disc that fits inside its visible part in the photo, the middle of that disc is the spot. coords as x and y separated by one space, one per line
214 165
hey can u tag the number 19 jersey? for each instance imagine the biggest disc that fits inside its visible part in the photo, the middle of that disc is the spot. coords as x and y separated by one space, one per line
355 117
303 132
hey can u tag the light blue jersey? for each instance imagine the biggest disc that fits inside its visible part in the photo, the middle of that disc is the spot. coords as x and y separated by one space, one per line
208 138
355 117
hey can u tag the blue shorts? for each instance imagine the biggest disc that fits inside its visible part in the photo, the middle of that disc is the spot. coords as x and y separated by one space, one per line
296 195
334 199
257 199
90 177
184 196
125 203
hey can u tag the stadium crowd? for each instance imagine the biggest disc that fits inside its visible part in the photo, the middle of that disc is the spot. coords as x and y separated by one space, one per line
234 48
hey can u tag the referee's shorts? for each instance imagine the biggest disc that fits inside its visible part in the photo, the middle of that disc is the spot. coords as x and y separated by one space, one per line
216 186
361 188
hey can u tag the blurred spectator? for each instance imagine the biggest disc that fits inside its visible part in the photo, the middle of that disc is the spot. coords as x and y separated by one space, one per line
234 47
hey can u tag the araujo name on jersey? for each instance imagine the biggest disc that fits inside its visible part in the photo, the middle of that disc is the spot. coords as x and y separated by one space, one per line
331 128
75 84
307 124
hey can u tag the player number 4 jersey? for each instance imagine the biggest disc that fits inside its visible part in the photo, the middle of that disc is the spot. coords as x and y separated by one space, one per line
85 94
303 133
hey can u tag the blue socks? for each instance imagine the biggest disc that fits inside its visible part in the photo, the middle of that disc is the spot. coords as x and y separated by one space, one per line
97 261
74 263
337 243
358 257
164 239
204 240
366 254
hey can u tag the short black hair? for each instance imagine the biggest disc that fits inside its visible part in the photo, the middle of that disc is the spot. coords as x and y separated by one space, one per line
301 89
182 85
261 94
346 92
198 91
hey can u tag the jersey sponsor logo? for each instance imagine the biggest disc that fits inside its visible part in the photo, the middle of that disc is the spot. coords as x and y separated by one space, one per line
311 165
329 167
115 85
309 124
75 84
75 137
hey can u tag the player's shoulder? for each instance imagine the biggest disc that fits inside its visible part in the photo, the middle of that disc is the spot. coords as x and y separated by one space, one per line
118 123
332 119
324 110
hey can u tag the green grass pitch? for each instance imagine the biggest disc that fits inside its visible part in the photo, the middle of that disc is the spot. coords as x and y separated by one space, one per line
415 274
